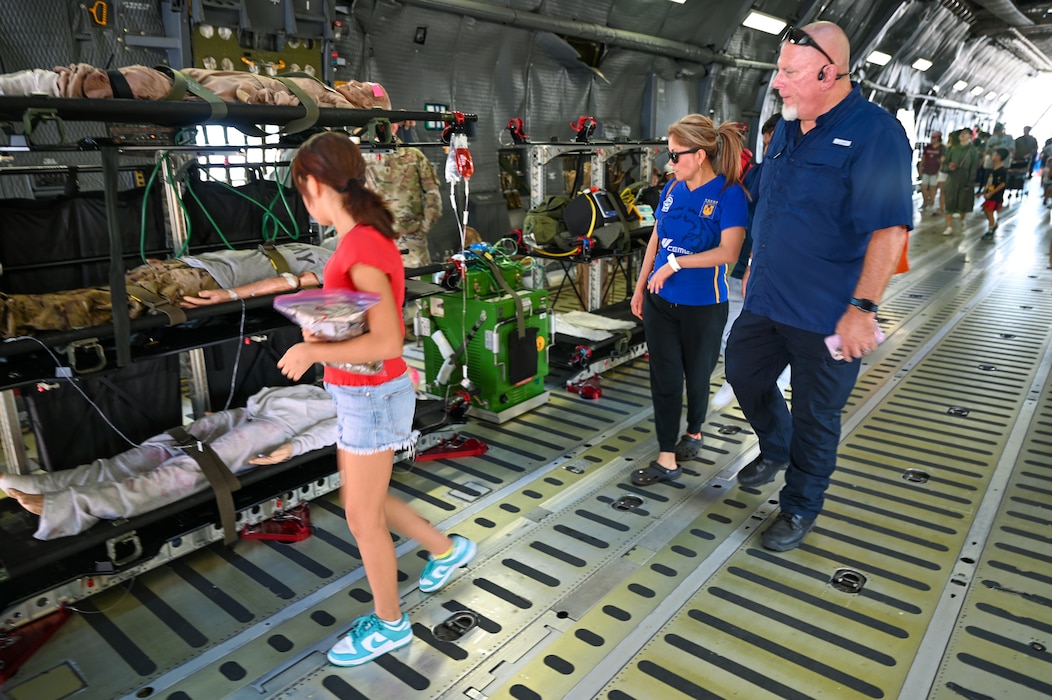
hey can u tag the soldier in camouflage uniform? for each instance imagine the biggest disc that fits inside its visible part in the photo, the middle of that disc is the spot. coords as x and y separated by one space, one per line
407 182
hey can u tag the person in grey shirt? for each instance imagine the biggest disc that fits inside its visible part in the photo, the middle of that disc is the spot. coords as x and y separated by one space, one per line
188 282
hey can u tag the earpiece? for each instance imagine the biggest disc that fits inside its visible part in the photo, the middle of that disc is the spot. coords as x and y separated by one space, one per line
822 73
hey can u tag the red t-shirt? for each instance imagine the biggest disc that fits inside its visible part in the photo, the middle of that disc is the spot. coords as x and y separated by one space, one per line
364 245
931 159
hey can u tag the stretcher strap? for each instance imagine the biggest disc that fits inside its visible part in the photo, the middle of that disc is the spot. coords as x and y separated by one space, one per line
309 105
498 275
157 304
119 85
223 481
276 258
182 84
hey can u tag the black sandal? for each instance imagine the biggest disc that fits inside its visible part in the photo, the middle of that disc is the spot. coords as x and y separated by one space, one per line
653 473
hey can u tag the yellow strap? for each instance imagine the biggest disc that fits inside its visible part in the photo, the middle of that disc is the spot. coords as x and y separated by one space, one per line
276 258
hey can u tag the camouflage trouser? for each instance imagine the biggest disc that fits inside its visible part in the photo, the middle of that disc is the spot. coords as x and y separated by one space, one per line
417 254
22 314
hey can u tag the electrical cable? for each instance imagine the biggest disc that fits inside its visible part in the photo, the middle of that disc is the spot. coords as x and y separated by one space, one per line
237 355
208 216
145 201
182 207
68 377
268 212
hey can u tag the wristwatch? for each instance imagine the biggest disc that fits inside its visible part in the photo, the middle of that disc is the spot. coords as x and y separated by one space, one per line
864 305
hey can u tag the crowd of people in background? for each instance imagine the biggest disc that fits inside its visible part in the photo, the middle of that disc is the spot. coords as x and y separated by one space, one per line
975 164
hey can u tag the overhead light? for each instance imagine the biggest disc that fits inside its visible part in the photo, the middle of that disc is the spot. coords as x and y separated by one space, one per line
922 64
679 2
878 57
990 95
977 90
934 88
959 85
764 23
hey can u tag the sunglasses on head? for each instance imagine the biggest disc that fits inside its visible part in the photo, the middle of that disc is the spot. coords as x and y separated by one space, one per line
799 37
674 155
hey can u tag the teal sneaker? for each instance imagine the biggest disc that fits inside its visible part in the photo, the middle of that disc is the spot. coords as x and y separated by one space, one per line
440 569
368 638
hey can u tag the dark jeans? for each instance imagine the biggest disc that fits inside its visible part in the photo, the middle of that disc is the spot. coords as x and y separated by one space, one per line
683 342
757 352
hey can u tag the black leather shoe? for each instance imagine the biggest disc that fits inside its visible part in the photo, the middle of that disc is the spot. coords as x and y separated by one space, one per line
760 471
786 533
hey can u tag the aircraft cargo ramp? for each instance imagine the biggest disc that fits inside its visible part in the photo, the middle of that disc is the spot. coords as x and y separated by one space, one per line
926 576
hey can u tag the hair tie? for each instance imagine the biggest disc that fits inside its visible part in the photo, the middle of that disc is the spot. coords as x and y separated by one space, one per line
351 181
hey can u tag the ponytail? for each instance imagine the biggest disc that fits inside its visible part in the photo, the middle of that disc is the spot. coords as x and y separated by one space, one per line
728 160
722 145
367 207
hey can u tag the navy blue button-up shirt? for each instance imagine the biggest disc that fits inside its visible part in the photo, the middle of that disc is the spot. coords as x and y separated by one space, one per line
821 195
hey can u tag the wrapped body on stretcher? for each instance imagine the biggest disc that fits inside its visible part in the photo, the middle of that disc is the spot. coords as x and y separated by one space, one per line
278 423
81 80
187 282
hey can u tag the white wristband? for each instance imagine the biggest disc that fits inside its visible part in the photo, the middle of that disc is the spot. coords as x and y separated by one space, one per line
673 263
293 280
233 295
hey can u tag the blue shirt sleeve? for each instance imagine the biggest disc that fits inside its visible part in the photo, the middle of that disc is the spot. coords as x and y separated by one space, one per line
882 180
735 208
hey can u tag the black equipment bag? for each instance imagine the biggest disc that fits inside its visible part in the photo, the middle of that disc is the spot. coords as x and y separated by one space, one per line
596 216
217 211
61 243
257 367
141 400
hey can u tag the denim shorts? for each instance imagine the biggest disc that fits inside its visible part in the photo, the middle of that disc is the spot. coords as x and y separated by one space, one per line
373 419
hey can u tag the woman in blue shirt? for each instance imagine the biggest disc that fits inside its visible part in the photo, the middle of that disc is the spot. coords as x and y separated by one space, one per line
681 294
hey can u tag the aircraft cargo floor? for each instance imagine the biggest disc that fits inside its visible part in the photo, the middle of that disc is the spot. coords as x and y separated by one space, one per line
927 574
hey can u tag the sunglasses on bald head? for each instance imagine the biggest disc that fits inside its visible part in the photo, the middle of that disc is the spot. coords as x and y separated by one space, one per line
674 155
799 37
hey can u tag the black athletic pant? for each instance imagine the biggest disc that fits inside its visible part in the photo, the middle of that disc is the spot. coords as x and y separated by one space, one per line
683 343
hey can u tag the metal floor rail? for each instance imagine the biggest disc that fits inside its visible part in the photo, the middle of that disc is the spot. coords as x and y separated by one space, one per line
926 575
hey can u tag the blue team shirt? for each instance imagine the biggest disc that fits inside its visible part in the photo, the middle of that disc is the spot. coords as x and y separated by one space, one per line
821 196
692 222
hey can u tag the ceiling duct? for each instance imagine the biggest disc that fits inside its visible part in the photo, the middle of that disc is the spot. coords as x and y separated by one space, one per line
1006 11
583 30
1031 54
941 102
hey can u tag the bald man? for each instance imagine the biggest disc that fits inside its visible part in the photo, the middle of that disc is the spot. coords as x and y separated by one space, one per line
833 214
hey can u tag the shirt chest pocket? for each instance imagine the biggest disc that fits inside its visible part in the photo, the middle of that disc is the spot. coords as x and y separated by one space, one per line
826 164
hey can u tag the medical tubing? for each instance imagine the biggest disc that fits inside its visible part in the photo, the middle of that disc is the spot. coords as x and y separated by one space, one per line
145 201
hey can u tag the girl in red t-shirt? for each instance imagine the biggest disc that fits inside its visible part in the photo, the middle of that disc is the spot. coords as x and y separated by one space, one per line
374 412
